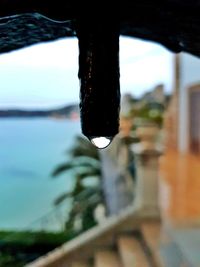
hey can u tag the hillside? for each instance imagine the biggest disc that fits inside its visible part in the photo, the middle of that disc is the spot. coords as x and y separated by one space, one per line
67 111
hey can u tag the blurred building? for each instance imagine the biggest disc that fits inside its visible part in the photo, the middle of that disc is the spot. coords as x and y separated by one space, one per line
126 104
182 117
157 95
179 167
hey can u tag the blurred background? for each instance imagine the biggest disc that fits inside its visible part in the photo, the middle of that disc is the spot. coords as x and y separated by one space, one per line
55 186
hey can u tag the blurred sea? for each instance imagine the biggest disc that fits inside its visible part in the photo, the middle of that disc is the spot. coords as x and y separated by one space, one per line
29 151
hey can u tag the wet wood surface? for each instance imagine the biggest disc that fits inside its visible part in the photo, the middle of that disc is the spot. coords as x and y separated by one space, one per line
172 23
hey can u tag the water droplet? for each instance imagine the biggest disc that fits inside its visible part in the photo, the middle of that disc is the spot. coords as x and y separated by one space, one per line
101 142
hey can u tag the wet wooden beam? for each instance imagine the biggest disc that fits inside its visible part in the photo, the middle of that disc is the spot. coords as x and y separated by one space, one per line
172 23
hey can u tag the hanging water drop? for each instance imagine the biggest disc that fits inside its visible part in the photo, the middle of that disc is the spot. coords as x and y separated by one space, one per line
101 142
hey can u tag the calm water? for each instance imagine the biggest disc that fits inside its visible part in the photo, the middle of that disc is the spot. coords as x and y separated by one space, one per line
29 151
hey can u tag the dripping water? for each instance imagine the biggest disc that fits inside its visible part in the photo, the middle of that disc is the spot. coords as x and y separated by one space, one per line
101 142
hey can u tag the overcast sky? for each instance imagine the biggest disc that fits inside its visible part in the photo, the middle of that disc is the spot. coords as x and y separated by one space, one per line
45 75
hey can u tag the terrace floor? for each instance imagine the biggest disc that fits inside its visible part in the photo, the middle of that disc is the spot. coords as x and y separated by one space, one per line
180 188
180 207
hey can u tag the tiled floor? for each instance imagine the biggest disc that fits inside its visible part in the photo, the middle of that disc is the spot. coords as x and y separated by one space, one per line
188 240
180 188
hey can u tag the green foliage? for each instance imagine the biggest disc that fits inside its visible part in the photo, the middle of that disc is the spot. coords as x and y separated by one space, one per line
85 167
148 112
20 247
28 238
8 260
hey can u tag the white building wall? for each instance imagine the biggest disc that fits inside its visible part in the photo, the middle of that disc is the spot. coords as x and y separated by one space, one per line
189 75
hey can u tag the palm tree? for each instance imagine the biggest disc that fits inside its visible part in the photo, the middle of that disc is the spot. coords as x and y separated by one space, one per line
85 167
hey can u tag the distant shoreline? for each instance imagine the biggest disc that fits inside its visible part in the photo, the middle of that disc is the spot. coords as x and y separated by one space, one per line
69 111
